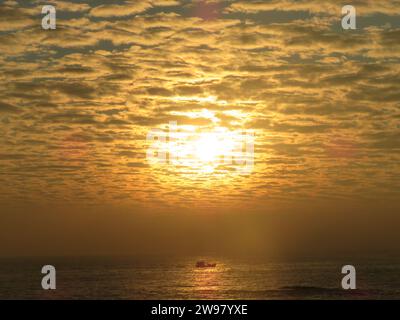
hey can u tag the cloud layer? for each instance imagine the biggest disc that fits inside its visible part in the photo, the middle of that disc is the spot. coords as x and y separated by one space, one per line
77 102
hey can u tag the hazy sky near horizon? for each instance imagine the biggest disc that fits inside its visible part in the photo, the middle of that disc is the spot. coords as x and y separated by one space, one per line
76 104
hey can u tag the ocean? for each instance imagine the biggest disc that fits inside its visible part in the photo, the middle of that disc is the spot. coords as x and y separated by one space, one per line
178 278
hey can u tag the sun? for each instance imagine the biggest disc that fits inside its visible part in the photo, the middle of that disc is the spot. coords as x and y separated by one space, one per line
208 147
198 152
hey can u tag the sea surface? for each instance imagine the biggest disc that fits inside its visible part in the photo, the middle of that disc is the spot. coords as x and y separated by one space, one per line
145 278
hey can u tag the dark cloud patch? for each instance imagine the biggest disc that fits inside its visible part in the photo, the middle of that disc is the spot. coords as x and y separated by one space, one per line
165 119
71 117
5 156
159 91
8 108
137 165
75 69
189 90
77 90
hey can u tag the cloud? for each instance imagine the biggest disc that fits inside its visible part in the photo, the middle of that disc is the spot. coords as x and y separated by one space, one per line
7 108
129 8
112 72
16 18
329 7
67 6
115 10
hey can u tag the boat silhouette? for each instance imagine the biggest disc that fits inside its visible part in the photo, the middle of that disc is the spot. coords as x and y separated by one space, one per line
204 264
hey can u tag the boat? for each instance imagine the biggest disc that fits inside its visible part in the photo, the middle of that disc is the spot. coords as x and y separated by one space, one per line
204 264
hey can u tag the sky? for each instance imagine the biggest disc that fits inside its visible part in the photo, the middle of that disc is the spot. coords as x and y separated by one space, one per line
77 104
